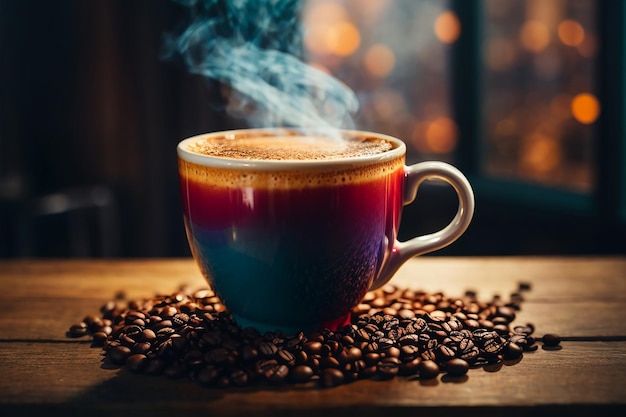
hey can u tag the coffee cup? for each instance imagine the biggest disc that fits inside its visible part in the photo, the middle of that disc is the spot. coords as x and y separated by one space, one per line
292 227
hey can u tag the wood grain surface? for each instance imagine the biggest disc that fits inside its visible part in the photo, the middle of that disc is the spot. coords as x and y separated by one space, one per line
581 299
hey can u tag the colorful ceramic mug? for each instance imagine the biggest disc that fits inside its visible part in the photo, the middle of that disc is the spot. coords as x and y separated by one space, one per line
292 228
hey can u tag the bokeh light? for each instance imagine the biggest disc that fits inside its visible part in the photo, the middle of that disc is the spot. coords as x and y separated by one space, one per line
534 35
537 56
441 135
571 33
585 108
447 27
379 60
343 38
318 21
539 91
540 153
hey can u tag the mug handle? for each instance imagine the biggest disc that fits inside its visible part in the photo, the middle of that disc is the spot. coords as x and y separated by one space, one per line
414 176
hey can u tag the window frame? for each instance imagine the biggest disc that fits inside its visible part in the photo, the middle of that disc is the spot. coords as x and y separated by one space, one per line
606 203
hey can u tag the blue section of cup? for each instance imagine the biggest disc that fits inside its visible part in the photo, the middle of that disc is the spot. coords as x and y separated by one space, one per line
286 283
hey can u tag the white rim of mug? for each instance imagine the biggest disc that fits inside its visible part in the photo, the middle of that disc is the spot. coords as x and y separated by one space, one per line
258 164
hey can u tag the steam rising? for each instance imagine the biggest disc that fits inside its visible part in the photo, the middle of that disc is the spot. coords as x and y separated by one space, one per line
252 47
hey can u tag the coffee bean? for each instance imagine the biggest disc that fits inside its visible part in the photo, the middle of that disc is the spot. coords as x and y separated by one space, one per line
506 312
362 334
278 374
238 377
551 340
142 347
154 366
312 347
456 367
180 319
385 343
301 373
512 351
409 367
77 330
409 352
388 368
472 324
301 357
493 345
136 362
371 358
330 362
428 369
528 329
486 324
168 312
264 367
249 353
371 347
436 316
134 315
445 353
330 347
470 354
118 354
409 339
354 354
164 333
428 355
332 377
99 338
267 348
126 340
393 332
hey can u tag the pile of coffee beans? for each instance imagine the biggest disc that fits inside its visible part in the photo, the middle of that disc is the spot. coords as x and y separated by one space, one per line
395 332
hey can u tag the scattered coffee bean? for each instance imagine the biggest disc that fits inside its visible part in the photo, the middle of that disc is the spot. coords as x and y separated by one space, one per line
78 330
394 332
513 351
428 369
99 338
551 340
456 367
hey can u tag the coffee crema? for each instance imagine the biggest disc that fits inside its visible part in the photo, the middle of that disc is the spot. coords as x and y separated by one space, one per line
289 147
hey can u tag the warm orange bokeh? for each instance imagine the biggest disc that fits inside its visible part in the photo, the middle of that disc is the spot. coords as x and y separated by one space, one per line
585 108
441 135
571 33
379 60
534 35
343 38
447 27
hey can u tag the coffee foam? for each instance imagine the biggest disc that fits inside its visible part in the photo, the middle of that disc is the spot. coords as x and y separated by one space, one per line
288 148
296 178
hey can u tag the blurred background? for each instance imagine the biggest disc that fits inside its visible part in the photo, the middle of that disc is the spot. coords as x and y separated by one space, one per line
526 97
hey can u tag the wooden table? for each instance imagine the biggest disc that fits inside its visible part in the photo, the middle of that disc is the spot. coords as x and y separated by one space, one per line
43 372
